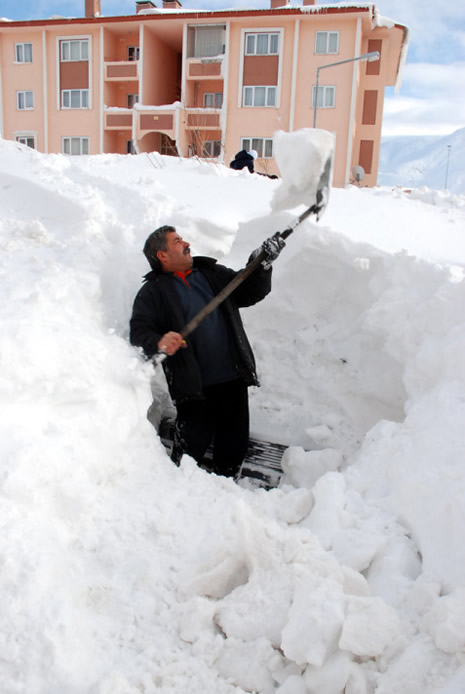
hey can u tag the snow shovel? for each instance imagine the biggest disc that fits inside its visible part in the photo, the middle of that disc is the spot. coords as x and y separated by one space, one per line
321 190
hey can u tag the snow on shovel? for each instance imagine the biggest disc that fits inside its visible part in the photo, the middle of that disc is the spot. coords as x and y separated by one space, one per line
305 160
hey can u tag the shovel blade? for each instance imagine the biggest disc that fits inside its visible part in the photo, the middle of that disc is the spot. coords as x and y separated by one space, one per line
305 160
324 187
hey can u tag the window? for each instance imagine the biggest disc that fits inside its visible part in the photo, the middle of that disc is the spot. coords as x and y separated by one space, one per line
211 148
262 145
206 41
259 96
261 44
74 50
133 52
326 97
25 100
75 145
213 100
28 140
327 42
133 99
23 52
74 98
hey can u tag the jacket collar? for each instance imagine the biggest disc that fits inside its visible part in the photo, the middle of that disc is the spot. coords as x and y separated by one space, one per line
200 262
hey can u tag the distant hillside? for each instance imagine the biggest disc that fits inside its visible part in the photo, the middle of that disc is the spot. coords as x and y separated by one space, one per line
422 161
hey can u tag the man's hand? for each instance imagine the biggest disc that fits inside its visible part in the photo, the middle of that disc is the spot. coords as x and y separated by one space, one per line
171 342
272 248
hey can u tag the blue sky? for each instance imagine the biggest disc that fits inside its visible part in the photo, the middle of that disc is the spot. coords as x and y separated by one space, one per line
431 98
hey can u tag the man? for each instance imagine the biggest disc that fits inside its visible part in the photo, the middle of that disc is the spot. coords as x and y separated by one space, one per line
244 159
208 373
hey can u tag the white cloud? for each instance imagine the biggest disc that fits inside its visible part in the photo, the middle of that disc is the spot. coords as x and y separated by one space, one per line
431 101
419 116
435 26
438 79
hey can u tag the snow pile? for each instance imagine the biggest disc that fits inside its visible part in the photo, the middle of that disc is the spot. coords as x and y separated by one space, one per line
121 573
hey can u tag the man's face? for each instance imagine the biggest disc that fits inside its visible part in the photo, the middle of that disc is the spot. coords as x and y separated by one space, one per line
177 257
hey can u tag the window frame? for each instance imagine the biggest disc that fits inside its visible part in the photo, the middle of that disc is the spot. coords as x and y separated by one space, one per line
196 44
19 137
23 92
81 93
254 87
324 89
327 42
132 100
69 139
133 53
211 145
260 145
214 95
254 35
22 46
68 42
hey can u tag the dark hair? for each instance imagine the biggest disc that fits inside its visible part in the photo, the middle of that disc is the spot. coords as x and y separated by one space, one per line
157 242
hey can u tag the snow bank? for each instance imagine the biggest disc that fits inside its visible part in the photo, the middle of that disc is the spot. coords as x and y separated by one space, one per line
121 573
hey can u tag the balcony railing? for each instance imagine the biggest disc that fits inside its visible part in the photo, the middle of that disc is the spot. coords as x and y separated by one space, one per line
121 119
159 120
121 71
203 119
204 68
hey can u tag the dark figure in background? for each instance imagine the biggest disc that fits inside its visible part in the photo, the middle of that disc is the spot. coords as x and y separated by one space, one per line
244 159
209 373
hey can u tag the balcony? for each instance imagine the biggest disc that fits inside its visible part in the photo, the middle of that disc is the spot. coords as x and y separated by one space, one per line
203 119
160 120
118 120
121 71
204 68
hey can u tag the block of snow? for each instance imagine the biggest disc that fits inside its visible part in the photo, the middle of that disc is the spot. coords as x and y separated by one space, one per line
258 609
248 664
370 625
304 468
315 620
296 505
331 678
446 622
301 157
293 685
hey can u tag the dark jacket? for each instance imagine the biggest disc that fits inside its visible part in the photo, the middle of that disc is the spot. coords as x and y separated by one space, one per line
241 160
157 310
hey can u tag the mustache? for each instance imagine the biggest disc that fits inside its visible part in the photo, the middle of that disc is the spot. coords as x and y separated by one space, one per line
187 250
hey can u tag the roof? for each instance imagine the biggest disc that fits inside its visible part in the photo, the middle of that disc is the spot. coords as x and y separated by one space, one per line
341 7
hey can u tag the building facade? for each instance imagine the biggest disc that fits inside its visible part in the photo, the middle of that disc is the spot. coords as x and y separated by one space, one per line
200 83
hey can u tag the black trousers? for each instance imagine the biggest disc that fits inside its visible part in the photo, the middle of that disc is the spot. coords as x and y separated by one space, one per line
221 418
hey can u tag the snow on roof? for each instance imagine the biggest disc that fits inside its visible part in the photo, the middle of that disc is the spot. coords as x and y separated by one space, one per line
380 21
335 6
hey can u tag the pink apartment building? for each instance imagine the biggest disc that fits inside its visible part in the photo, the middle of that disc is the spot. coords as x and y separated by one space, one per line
200 83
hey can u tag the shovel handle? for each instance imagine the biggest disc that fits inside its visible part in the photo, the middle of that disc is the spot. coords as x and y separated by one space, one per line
160 356
223 294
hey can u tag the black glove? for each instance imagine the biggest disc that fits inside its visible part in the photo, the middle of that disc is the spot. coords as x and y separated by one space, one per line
272 247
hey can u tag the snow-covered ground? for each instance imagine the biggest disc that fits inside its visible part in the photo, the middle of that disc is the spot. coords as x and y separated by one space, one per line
122 574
